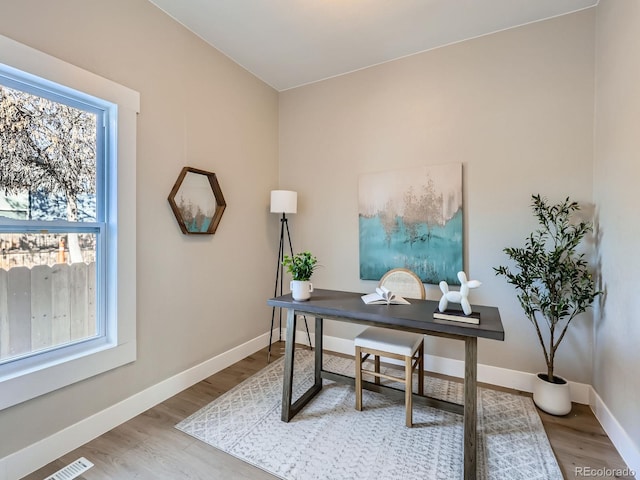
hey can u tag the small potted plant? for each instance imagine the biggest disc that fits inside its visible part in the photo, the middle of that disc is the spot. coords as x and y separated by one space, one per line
553 285
301 267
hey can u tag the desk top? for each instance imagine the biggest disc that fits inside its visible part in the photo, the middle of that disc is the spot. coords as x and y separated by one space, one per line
417 317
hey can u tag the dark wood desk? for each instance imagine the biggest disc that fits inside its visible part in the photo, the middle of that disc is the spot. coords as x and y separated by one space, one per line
417 317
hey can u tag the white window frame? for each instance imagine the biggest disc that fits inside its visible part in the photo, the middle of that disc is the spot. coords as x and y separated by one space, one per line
38 374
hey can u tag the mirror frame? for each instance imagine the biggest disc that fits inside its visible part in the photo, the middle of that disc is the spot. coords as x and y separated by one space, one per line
220 203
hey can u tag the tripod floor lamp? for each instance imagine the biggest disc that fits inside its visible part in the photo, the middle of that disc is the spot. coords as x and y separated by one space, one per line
282 201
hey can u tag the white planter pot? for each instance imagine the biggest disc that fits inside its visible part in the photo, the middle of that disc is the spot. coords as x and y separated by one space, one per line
301 290
553 398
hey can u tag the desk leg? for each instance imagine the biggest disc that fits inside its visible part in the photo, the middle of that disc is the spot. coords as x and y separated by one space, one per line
318 353
289 351
470 407
290 408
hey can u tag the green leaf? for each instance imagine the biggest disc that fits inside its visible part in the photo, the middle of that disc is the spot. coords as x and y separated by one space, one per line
550 278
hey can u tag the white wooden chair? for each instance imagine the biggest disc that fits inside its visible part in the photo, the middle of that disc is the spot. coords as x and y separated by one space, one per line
387 343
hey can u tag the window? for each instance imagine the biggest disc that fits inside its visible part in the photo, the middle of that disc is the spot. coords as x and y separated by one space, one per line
52 259
66 307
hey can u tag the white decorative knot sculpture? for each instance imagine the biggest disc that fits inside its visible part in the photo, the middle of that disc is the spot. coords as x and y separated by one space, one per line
461 297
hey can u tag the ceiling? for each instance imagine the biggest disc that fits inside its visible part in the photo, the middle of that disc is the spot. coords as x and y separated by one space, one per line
288 43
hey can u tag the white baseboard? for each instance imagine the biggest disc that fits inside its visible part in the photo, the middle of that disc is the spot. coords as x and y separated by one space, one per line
629 452
35 456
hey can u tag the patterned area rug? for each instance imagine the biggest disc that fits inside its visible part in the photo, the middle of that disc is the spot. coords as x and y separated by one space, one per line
330 440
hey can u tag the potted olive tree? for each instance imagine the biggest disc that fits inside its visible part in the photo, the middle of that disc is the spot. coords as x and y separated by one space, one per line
553 285
301 267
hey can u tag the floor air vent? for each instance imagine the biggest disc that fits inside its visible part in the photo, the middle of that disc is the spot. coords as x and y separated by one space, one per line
72 470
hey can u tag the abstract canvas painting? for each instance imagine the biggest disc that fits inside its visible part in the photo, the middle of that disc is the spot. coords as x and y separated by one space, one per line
412 218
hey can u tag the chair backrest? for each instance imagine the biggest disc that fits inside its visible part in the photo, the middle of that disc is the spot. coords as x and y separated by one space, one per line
403 282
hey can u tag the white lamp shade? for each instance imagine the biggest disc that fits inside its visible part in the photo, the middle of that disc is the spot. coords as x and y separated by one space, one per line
284 201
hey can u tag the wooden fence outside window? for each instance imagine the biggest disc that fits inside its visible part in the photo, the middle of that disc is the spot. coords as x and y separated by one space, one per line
46 306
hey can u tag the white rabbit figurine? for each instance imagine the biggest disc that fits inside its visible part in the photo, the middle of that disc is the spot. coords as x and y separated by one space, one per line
461 297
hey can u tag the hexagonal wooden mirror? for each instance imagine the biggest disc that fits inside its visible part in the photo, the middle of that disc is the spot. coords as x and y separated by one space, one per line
197 201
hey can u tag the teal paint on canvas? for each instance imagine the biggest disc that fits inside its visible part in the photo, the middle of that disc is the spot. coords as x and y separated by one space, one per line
434 253
412 218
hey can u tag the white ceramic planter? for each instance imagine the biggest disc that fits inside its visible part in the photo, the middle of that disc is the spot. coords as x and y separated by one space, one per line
553 398
301 290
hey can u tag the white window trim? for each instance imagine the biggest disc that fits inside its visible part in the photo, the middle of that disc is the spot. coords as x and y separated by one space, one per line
80 364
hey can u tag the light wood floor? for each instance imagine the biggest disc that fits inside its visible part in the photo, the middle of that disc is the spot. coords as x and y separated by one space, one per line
149 447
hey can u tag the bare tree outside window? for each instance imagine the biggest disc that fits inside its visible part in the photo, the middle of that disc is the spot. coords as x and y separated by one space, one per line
48 150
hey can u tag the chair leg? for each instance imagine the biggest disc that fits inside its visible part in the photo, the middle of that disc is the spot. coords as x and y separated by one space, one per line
408 390
358 378
376 365
421 370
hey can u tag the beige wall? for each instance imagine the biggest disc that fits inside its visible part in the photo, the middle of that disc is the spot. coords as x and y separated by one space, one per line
199 109
617 169
515 108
